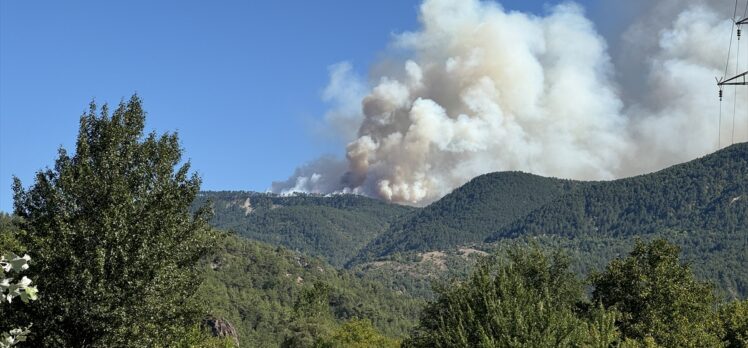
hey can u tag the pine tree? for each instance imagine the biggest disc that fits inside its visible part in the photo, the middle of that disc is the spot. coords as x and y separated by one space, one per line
114 242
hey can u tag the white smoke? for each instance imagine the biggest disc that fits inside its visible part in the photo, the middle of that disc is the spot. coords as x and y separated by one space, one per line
484 89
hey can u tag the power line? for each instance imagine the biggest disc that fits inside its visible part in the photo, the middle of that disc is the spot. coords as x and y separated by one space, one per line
735 100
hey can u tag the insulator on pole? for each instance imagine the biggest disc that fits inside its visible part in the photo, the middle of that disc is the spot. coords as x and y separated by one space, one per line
720 94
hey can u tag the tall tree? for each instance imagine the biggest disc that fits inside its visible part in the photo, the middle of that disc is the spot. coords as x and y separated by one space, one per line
734 319
114 242
658 298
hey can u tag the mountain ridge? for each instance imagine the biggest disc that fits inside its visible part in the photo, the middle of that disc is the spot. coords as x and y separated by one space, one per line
469 213
710 192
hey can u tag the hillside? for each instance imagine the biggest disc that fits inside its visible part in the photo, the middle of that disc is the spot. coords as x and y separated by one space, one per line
702 206
469 214
257 288
709 194
334 228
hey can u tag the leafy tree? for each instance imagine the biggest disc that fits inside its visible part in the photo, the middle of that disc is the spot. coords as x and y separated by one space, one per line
10 289
734 320
9 234
199 337
115 244
658 298
312 317
357 334
531 301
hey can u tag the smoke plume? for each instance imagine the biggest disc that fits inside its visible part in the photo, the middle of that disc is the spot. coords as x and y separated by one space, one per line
484 89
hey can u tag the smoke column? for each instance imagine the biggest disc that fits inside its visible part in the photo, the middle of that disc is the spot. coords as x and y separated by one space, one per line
483 89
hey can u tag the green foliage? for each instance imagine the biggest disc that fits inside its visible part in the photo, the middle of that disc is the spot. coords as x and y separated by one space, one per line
701 205
713 256
9 234
114 242
199 337
14 337
311 319
658 298
333 227
529 300
733 318
357 334
469 214
272 295
11 288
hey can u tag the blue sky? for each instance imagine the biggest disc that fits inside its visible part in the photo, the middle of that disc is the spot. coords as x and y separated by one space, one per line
239 80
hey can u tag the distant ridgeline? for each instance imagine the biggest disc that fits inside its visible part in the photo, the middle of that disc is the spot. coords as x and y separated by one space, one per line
334 228
706 195
701 206
469 214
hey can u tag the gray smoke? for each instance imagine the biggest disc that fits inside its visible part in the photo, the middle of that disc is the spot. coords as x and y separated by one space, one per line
484 89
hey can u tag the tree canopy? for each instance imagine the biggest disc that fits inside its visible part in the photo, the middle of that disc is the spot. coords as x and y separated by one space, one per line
112 236
532 299
528 300
658 298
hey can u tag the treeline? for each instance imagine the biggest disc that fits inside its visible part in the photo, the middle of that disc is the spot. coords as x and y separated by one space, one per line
532 298
714 257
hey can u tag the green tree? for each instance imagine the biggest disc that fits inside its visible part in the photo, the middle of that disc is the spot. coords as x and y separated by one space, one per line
11 288
312 318
531 300
9 234
357 334
658 298
734 319
114 242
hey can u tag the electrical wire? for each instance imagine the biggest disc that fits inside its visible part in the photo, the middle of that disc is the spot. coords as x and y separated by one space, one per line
732 33
735 100
719 124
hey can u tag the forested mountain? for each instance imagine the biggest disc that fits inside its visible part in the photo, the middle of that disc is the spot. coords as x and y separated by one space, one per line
702 206
265 292
705 195
331 227
470 213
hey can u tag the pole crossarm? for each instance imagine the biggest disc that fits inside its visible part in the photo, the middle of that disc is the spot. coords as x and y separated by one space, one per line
742 21
734 81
